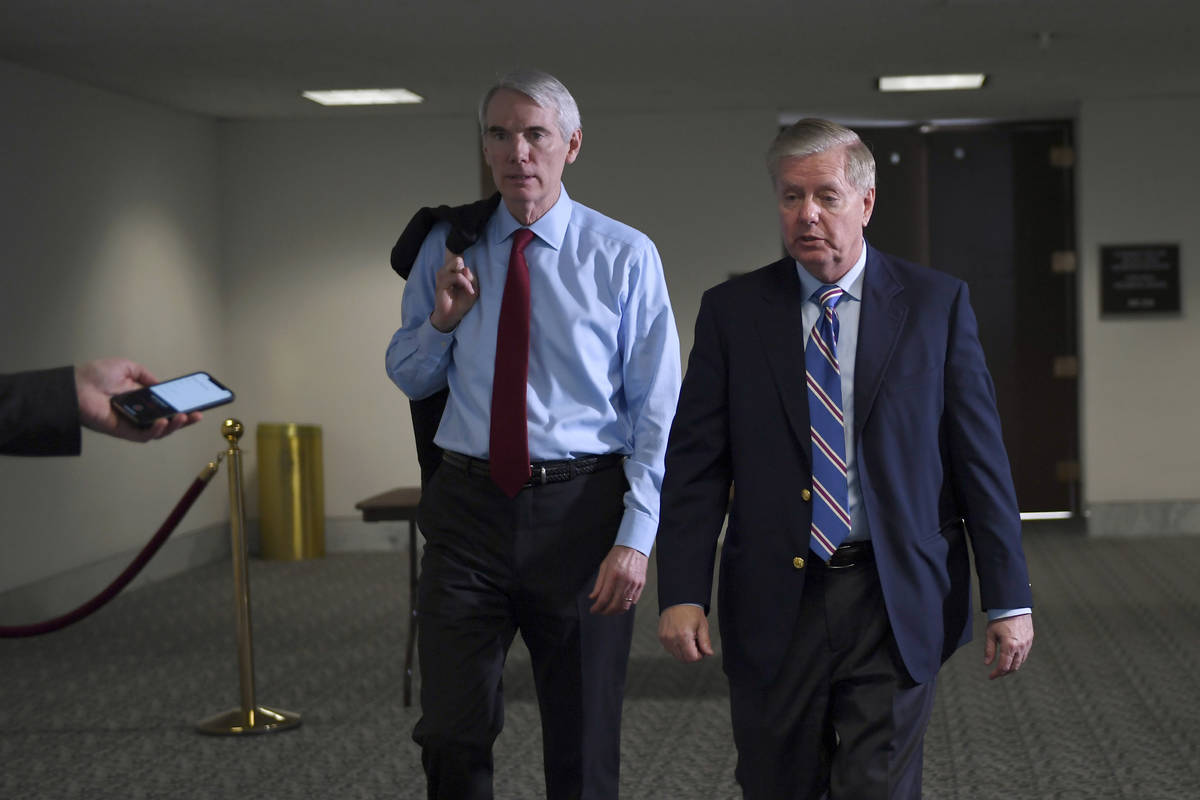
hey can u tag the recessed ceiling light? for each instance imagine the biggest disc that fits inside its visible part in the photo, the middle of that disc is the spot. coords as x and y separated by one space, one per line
930 83
363 97
1037 515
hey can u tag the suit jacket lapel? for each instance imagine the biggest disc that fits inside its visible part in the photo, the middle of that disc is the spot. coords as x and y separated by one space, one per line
781 328
879 323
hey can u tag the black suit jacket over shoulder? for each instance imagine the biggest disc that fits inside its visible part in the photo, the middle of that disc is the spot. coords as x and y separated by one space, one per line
466 223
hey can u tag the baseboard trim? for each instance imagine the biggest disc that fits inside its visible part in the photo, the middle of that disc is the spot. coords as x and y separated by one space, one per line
58 594
1169 518
352 535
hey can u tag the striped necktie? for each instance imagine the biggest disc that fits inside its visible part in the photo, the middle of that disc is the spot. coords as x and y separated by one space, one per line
830 513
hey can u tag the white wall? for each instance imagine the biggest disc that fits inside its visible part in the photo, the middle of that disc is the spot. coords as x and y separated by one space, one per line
312 208
1140 375
258 250
697 185
108 246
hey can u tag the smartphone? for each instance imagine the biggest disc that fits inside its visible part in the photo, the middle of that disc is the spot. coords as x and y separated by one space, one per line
177 396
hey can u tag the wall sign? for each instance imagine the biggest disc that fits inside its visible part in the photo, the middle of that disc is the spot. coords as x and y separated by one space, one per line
1139 278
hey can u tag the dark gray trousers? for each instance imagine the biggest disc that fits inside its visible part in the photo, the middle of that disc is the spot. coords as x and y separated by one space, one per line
843 720
493 566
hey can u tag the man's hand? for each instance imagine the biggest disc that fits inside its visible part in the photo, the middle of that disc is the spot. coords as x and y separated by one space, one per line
1007 642
620 581
456 291
683 631
95 384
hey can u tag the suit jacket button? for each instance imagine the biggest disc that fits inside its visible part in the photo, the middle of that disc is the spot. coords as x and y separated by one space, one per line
798 562
805 495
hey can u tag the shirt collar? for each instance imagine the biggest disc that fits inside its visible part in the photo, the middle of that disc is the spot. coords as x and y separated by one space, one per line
551 227
851 282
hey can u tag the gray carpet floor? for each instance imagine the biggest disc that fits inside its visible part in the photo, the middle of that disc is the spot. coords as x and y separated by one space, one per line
1106 708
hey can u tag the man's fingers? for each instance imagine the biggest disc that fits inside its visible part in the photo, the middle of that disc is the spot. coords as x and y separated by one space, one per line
704 643
989 650
683 632
1005 663
458 281
466 282
619 581
1008 655
176 422
455 275
686 652
1008 642
142 376
603 593
613 601
691 649
601 581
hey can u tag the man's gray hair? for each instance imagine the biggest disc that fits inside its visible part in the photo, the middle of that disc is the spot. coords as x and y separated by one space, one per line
808 137
545 90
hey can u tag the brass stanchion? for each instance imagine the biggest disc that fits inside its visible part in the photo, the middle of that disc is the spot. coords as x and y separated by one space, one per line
249 717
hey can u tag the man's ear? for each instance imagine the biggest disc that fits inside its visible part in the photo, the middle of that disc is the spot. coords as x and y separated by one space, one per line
868 205
573 145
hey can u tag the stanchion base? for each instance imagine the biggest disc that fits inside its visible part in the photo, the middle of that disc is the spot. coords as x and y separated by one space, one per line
259 719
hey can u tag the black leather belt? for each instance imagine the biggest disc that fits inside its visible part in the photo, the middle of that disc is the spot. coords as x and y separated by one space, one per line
851 554
540 472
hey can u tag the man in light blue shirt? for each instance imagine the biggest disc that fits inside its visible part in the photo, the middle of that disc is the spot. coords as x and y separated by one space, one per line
564 559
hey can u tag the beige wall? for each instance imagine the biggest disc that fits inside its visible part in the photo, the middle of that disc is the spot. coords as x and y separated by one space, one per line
108 245
1140 375
311 210
258 250
696 185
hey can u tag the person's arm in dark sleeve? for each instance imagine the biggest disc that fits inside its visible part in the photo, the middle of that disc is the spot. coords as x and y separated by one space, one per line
39 413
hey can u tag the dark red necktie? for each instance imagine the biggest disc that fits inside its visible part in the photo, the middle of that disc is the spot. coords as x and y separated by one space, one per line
509 442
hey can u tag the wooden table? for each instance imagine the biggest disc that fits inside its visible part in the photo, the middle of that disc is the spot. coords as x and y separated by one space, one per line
398 505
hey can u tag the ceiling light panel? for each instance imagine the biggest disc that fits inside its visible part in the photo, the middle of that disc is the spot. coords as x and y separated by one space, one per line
931 83
363 97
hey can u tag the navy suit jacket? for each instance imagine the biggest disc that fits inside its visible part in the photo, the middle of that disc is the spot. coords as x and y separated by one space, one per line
932 465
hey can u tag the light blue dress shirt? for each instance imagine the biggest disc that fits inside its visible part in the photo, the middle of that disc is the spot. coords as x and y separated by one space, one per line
604 367
848 309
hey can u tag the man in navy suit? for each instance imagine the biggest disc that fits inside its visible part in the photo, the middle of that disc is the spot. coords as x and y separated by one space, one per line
832 659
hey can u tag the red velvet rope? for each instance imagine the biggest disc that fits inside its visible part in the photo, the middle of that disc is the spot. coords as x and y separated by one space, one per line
114 588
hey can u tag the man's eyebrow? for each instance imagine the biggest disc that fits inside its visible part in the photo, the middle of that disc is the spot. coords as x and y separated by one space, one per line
529 129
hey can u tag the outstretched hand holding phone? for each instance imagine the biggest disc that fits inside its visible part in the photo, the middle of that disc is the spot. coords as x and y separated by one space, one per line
96 382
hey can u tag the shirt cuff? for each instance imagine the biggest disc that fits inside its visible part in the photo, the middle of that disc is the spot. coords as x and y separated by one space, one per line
1002 613
637 531
432 340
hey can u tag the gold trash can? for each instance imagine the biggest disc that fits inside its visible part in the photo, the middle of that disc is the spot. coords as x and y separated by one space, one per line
291 491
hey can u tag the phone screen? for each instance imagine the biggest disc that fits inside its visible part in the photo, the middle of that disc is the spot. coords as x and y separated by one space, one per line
191 392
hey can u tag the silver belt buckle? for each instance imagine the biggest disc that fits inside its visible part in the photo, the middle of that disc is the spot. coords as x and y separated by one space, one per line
839 566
